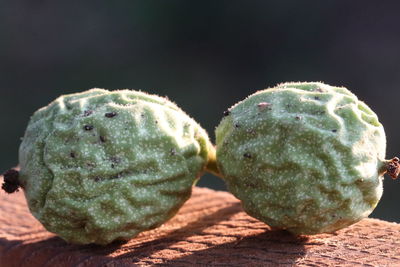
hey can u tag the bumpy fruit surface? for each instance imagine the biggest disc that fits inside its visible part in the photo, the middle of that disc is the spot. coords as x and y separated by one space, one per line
104 165
306 157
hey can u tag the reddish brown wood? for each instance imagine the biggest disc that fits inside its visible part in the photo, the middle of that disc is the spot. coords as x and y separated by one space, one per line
210 230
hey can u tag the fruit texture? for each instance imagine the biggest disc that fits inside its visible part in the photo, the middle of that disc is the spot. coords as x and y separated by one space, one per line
305 157
103 165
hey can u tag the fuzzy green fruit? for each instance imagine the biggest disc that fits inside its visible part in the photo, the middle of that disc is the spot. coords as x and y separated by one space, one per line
305 157
104 165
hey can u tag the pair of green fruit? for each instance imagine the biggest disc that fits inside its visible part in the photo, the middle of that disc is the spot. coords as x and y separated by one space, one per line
99 166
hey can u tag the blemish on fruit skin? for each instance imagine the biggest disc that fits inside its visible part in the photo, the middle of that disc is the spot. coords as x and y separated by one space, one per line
88 127
87 113
110 114
115 159
247 155
90 164
263 105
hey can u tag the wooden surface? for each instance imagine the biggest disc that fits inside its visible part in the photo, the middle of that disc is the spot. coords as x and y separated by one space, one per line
210 230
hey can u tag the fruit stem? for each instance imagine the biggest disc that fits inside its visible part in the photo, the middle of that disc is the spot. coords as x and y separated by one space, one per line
11 183
392 167
212 166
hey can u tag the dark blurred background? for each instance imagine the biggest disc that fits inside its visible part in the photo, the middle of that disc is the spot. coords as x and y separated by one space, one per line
204 55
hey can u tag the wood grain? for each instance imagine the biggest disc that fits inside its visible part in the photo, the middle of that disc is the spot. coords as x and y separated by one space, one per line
210 230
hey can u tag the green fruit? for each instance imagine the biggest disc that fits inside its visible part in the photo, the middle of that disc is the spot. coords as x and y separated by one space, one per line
305 157
103 165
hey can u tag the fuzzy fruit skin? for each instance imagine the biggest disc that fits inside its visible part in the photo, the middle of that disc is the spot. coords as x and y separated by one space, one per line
305 157
103 165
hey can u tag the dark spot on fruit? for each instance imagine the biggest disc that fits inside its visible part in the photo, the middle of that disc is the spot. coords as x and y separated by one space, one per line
110 114
72 155
87 113
91 164
118 175
334 130
102 139
115 160
88 127
11 183
247 155
227 113
263 105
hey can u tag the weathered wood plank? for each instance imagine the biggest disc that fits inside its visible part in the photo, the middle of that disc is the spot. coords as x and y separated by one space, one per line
211 229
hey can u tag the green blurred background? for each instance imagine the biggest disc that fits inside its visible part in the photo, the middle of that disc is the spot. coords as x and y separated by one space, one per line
204 55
